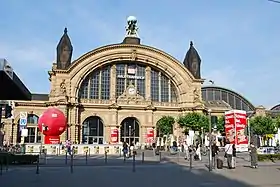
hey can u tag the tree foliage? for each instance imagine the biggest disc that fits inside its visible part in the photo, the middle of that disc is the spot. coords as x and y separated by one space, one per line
221 124
277 122
193 121
262 125
165 125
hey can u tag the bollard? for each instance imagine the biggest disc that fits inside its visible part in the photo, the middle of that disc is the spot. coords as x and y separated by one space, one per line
133 163
86 157
143 157
37 165
159 156
7 162
71 164
124 157
89 152
191 158
57 151
66 157
106 159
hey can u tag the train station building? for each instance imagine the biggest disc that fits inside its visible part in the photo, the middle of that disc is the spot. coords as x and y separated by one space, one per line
121 87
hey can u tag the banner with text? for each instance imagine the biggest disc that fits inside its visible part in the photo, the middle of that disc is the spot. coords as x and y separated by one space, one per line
235 125
114 135
150 135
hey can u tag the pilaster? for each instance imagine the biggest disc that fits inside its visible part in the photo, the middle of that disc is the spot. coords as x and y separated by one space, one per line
148 83
113 82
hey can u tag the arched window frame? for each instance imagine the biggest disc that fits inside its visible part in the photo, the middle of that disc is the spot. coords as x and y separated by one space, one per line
88 135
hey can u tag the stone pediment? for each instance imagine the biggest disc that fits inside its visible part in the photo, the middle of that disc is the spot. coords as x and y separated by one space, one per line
131 96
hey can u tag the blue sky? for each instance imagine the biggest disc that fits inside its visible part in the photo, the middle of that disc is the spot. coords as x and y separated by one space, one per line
238 41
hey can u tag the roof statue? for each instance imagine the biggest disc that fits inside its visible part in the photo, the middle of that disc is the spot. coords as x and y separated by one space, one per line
131 28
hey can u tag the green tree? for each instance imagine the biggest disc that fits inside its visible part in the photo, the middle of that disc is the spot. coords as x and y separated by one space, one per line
263 125
221 124
277 121
193 121
165 125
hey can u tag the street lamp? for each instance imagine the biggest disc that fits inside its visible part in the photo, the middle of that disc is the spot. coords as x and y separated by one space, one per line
210 140
129 134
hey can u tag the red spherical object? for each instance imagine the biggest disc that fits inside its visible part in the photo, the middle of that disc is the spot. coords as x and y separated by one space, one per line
52 122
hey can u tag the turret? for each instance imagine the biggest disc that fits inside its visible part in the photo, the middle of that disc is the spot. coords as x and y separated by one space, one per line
192 61
64 51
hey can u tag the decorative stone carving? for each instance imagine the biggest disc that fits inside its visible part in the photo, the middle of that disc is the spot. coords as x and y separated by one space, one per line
133 56
196 96
114 106
130 95
63 87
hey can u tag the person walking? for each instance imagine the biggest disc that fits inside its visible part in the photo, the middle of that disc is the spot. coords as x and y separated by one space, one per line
198 151
253 155
228 154
233 161
68 146
215 150
186 150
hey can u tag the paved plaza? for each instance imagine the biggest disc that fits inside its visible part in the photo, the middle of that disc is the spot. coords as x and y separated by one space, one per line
171 171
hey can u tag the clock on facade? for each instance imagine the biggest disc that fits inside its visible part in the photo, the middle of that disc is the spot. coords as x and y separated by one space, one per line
131 91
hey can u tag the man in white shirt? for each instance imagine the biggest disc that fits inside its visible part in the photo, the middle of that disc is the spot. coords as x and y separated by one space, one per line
228 154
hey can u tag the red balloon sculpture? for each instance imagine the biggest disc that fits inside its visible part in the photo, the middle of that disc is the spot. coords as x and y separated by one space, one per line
52 123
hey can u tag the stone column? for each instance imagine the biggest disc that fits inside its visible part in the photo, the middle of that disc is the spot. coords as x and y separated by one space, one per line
113 81
148 83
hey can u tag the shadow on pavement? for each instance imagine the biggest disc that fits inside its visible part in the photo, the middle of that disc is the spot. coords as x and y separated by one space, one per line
117 173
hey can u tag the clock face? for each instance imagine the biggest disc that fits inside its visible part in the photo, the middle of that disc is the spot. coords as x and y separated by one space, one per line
131 91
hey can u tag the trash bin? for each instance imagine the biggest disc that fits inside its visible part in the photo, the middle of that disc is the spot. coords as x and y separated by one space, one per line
220 163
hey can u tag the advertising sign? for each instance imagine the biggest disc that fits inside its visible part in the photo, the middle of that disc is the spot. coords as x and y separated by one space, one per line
52 139
114 135
235 125
150 135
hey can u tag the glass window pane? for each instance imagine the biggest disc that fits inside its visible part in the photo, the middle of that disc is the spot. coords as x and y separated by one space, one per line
120 86
238 103
231 100
225 96
154 85
83 93
217 95
105 83
94 85
164 89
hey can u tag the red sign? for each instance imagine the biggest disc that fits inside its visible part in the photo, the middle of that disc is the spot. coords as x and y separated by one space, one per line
52 139
150 135
114 135
235 125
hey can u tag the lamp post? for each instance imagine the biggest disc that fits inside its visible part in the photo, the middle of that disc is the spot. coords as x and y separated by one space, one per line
202 136
210 140
129 134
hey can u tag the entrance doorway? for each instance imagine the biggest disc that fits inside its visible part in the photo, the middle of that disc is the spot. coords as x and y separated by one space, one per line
130 130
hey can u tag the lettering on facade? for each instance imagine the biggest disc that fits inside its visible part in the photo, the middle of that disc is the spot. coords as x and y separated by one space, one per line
131 77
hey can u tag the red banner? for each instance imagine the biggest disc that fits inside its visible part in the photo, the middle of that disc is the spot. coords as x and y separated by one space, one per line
235 125
150 135
52 139
114 135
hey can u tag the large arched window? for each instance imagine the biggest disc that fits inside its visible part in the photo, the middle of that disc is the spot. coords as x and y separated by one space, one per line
162 89
96 85
93 131
130 73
